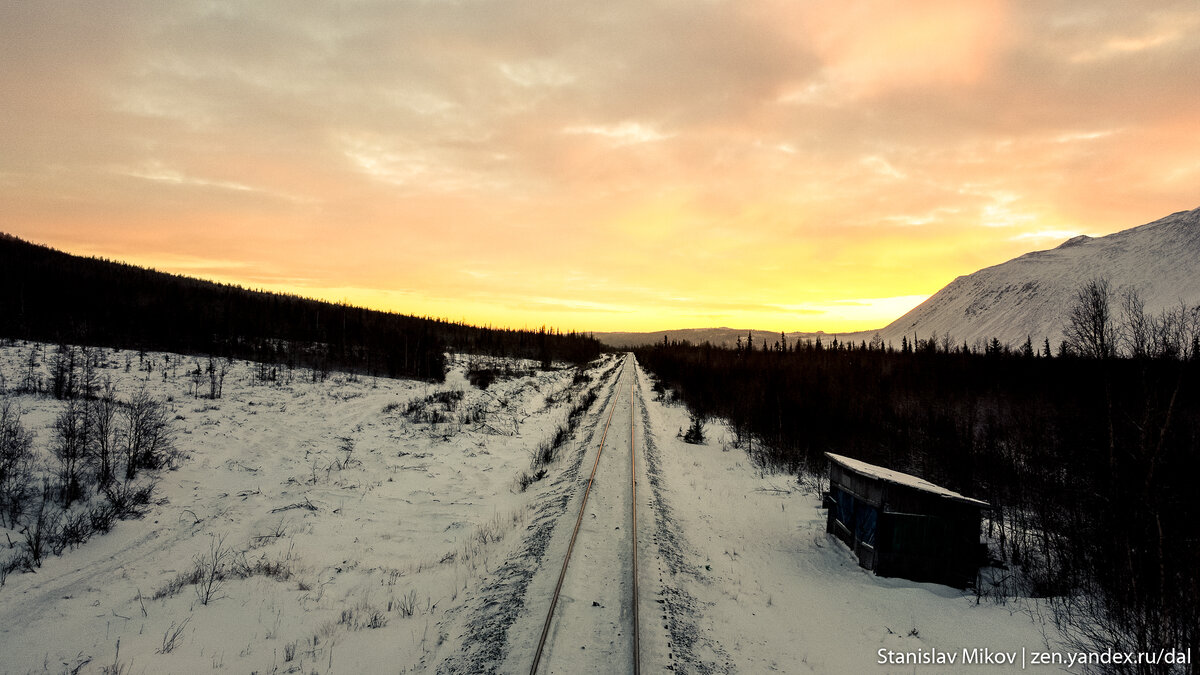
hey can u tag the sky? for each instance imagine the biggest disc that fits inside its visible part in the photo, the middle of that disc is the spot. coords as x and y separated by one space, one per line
595 166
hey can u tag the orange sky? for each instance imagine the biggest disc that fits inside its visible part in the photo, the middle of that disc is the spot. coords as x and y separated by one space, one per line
639 165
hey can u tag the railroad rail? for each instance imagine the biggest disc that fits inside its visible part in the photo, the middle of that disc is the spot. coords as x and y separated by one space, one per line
636 645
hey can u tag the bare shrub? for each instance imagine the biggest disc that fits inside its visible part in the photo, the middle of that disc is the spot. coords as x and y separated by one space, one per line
70 442
189 577
406 604
104 435
148 437
547 451
490 532
171 637
9 566
62 372
363 615
473 414
40 531
127 497
435 408
526 479
31 378
482 372
346 447
279 569
92 435
16 462
73 529
217 369
211 568
210 571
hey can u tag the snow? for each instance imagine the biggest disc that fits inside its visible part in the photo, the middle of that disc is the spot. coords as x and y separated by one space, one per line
593 620
770 591
420 516
1031 295
421 553
899 478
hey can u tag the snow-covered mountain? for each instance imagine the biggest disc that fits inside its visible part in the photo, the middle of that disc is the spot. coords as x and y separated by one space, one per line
1031 295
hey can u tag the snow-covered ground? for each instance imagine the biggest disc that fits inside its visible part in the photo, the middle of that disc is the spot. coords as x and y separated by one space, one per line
357 562
357 539
758 585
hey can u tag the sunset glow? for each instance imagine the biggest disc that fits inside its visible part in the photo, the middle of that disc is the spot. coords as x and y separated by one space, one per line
596 166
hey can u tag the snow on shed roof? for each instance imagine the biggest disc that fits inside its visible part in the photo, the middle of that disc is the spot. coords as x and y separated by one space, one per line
899 478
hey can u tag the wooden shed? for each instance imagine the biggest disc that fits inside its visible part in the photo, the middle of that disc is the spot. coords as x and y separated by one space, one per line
904 526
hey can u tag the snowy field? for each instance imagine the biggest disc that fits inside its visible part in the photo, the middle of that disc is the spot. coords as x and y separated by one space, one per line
769 591
361 527
367 525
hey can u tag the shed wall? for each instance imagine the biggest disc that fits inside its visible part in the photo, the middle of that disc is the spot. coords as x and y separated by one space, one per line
901 531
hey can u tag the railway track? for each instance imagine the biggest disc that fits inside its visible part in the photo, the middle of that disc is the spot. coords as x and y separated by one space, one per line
602 550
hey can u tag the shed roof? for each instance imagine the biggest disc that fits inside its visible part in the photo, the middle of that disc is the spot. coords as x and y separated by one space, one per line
898 478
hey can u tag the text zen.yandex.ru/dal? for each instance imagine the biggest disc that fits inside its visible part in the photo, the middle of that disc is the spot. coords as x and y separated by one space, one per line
1025 658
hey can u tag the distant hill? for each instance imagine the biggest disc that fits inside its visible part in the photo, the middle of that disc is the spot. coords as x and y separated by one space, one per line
1028 296
52 296
720 337
1031 295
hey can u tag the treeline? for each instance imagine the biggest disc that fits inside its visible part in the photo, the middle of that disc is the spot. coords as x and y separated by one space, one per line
1089 460
50 296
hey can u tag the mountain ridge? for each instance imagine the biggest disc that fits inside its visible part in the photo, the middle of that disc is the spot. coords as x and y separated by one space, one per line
1029 296
1026 297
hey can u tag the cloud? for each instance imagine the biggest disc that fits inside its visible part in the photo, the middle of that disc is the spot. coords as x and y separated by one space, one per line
748 156
624 133
1152 31
870 47
537 73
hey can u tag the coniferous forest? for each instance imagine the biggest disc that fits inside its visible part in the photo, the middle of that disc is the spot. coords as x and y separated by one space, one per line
51 296
1089 458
